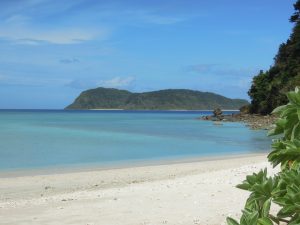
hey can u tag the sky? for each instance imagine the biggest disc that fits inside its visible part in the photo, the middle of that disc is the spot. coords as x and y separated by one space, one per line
51 50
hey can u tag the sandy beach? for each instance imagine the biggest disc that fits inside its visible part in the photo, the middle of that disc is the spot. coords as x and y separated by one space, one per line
183 193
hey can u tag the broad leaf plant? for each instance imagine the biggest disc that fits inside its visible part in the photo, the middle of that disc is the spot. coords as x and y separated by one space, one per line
283 189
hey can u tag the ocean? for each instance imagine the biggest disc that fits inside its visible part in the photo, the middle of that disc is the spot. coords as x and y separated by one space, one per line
33 139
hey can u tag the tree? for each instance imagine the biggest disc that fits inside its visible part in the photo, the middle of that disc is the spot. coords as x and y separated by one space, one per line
268 88
295 17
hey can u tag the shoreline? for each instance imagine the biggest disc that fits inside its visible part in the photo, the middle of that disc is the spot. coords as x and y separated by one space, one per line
77 168
254 121
157 110
201 192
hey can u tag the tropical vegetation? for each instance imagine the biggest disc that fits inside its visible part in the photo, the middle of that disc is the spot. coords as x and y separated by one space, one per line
269 87
282 189
110 98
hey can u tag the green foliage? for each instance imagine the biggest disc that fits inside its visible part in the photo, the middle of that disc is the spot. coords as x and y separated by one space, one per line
268 88
287 149
287 195
109 98
282 189
250 218
286 153
261 188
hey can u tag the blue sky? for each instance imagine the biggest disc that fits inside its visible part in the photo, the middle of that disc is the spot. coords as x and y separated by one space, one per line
51 50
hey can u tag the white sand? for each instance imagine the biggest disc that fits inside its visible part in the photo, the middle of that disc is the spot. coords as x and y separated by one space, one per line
186 193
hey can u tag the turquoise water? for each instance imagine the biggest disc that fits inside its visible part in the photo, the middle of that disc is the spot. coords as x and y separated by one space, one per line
39 139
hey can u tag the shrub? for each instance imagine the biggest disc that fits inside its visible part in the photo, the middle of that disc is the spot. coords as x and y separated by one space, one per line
283 189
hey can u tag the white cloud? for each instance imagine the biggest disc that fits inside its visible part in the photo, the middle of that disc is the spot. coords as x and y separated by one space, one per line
134 17
27 35
69 61
221 70
22 29
117 82
45 7
17 19
162 20
31 80
21 24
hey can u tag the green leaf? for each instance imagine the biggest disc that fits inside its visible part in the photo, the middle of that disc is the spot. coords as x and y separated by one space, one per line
275 131
279 109
294 97
231 221
296 131
288 111
298 113
295 165
251 179
286 211
266 208
264 221
253 217
243 186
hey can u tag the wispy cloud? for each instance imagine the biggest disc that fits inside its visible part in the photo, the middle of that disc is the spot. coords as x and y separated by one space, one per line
220 70
31 35
17 19
44 7
142 16
58 22
69 61
160 19
24 26
115 82
31 81
82 84
201 68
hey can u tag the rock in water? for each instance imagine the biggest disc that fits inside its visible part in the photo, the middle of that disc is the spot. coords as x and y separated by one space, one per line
217 112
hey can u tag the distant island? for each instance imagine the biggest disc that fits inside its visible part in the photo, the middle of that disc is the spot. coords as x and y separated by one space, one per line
170 99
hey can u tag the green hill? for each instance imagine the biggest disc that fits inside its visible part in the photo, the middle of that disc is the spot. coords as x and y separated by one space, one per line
110 98
269 87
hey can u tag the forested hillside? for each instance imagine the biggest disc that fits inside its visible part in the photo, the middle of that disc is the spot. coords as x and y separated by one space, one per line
109 98
269 87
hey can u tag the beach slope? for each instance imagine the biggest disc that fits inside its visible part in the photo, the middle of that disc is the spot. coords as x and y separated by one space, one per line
184 193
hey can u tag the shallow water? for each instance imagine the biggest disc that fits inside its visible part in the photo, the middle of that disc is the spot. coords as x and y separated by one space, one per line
44 138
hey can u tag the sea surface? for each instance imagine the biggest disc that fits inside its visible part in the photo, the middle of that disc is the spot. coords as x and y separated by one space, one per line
31 139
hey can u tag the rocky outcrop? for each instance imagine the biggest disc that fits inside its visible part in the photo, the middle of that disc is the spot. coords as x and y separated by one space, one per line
254 121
